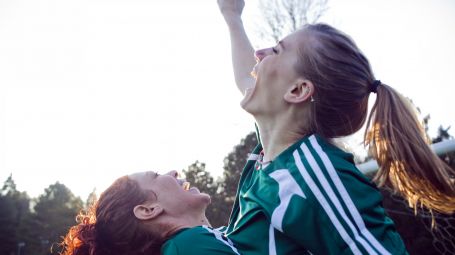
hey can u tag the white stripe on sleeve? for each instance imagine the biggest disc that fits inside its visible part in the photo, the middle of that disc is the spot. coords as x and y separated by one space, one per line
329 192
346 198
325 205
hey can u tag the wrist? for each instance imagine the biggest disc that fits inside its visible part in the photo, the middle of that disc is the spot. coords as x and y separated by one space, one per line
233 20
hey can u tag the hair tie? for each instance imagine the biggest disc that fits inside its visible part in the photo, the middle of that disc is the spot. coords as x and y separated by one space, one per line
375 85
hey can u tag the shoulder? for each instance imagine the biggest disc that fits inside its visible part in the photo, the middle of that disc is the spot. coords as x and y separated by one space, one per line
329 175
198 240
321 169
186 236
178 242
315 154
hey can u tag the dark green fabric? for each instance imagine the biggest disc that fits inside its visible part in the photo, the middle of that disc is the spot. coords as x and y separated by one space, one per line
198 240
312 212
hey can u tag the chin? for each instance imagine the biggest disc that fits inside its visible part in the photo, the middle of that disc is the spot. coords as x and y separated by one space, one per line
246 102
249 107
202 197
244 105
206 198
248 98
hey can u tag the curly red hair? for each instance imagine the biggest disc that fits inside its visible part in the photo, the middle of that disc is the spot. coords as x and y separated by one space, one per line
110 227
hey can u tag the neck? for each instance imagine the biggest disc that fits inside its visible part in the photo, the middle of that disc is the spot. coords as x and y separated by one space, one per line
198 220
186 222
277 136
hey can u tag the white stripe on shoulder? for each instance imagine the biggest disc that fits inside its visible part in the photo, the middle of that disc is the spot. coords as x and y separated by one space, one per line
287 187
325 205
219 236
331 194
346 198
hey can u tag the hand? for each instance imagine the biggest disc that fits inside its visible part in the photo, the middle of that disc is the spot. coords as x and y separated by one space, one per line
231 9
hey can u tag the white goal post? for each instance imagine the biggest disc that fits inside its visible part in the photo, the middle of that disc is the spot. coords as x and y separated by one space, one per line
439 148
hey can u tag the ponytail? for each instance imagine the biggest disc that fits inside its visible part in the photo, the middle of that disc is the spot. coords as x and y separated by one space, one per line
397 141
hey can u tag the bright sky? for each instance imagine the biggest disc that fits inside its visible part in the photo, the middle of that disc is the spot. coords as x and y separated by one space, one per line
94 89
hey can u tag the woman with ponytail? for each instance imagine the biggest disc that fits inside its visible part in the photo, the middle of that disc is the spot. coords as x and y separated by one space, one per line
298 191
146 214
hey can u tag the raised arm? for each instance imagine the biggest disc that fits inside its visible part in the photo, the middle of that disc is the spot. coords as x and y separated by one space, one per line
243 59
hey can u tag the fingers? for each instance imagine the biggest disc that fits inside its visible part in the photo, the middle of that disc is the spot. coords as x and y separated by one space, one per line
231 7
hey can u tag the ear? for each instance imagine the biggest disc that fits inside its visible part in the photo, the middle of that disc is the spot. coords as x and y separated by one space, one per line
299 92
147 212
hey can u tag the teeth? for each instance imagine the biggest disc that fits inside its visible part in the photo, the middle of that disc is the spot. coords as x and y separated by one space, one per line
254 74
186 186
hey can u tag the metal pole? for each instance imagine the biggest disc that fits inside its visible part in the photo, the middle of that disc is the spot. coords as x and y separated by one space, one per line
438 148
19 246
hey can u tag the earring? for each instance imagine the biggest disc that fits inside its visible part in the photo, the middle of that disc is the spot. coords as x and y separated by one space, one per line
312 99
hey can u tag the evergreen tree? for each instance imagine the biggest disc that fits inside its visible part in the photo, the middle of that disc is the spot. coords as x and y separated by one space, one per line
223 190
14 209
227 185
200 178
91 199
233 166
8 238
55 212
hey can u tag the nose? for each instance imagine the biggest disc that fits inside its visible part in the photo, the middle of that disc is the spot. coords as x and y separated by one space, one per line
262 53
173 173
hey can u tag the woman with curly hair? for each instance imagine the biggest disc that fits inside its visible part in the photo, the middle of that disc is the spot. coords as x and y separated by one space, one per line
147 213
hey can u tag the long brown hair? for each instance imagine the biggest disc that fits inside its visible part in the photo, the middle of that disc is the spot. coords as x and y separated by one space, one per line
110 227
343 80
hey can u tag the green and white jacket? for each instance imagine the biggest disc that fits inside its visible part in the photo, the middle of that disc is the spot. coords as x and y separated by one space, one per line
310 200
198 241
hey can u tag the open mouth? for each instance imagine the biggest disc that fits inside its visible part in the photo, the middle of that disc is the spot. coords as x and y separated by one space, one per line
186 186
254 73
247 94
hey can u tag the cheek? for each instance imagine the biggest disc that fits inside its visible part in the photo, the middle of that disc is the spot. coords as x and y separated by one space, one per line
275 71
169 188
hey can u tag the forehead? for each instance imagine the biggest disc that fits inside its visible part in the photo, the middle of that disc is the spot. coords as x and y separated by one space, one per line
294 39
146 174
143 177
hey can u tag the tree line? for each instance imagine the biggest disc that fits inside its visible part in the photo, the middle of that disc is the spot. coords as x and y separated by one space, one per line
36 225
32 226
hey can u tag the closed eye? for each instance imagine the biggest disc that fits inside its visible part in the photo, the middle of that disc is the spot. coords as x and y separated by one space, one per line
152 174
275 50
